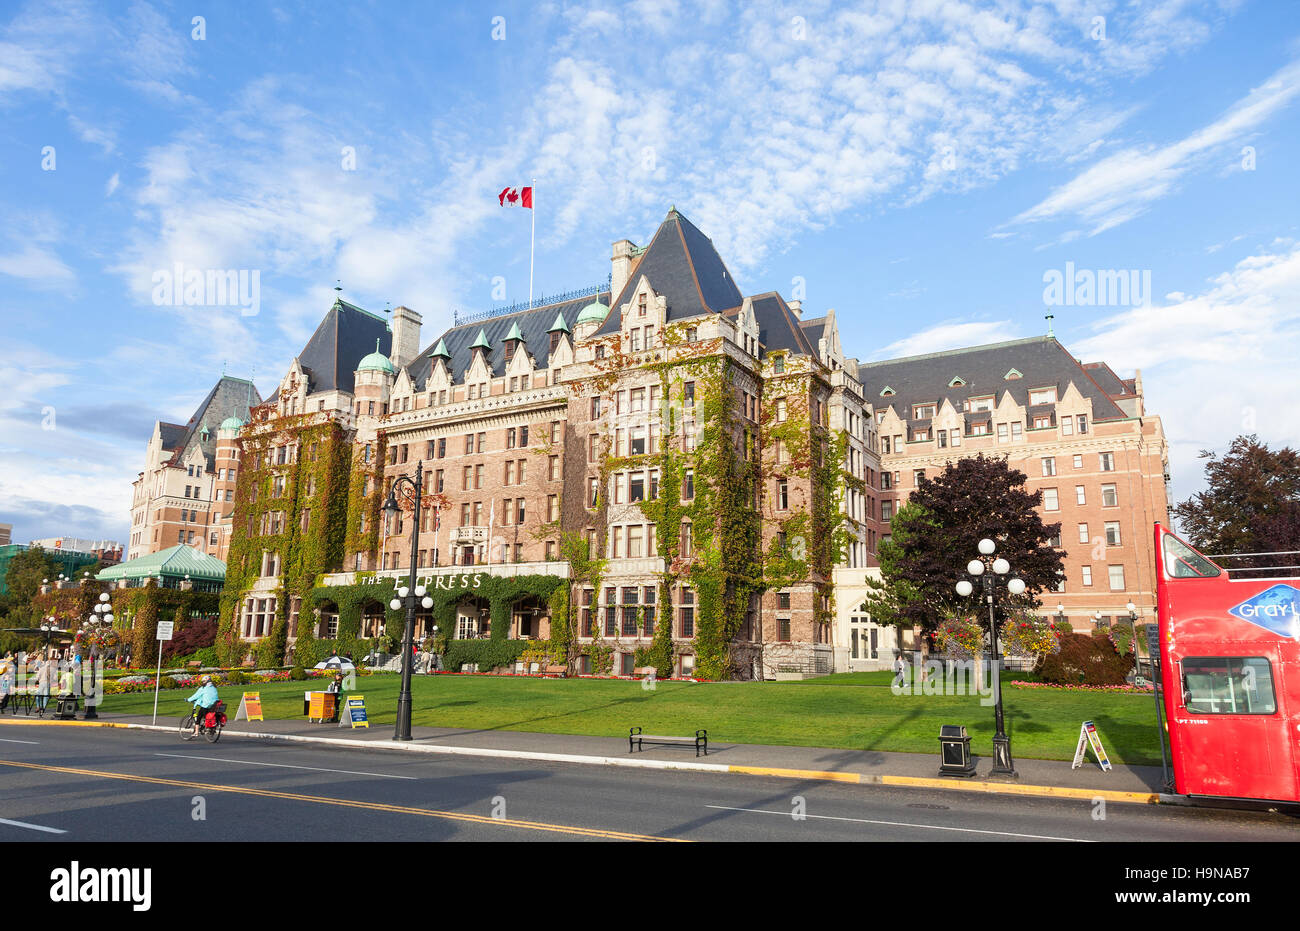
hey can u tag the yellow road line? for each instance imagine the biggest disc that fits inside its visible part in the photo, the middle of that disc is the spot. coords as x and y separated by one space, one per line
348 803
53 723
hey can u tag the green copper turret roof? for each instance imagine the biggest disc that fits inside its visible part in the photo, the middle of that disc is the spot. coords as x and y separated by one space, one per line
559 324
377 361
514 332
441 349
232 423
594 312
481 342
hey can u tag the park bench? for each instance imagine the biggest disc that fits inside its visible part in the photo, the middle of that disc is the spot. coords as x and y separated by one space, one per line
644 671
558 671
635 739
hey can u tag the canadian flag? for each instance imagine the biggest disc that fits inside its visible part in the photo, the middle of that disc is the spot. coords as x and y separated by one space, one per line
516 197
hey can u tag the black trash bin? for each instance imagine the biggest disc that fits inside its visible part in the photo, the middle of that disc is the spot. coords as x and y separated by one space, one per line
65 707
954 751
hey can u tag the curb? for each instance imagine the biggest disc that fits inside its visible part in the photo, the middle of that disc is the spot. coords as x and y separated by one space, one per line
914 782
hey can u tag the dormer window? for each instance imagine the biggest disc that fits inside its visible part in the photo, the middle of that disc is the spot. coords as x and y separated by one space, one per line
886 392
1012 375
692 334
922 411
510 350
1043 396
555 341
600 351
640 305
778 365
957 382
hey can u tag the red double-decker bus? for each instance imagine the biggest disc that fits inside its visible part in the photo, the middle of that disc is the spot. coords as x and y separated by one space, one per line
1230 672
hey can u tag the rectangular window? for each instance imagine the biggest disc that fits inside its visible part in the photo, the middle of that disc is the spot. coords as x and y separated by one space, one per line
688 485
1083 533
684 546
1067 426
637 487
593 492
688 393
1228 685
886 511
1116 578
1109 496
1112 533
784 629
1049 465
595 408
782 495
1087 575
635 541
1083 424
1107 461
1050 500
1016 432
1080 496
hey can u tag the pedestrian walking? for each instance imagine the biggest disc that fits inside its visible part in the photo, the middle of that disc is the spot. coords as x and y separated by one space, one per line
900 671
336 687
6 681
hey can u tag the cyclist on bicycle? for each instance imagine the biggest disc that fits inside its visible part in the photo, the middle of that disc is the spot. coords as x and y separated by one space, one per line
204 700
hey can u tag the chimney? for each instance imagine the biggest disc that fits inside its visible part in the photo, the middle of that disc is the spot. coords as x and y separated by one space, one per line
797 308
622 269
406 336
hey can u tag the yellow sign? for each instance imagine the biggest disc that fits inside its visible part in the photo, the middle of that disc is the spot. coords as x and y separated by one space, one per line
250 707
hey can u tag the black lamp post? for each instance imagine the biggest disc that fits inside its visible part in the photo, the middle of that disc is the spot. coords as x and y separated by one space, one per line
985 569
408 595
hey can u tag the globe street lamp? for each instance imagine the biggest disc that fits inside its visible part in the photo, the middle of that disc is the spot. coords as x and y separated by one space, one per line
99 629
985 569
408 595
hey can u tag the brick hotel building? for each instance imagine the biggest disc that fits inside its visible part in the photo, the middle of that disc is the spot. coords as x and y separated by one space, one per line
687 459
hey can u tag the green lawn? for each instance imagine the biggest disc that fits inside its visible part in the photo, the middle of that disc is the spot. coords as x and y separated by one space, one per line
1043 724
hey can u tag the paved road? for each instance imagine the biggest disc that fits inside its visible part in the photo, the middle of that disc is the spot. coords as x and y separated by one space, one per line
88 784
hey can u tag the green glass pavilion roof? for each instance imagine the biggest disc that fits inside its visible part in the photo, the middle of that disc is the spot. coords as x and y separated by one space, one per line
177 561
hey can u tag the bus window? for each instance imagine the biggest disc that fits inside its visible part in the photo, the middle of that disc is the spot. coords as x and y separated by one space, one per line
1183 562
1228 685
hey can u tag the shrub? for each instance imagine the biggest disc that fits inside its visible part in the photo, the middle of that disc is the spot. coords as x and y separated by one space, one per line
189 639
297 674
267 653
236 677
487 654
167 682
1087 660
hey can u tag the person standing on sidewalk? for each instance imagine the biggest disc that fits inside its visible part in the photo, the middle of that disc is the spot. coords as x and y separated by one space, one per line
336 688
900 671
44 682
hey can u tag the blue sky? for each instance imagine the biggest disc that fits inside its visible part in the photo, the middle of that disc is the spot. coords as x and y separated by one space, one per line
919 167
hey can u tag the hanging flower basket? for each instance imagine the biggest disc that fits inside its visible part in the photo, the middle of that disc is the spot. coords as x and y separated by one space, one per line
1121 636
1026 635
960 638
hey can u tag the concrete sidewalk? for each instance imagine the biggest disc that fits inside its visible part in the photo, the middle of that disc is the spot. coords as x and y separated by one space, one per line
1052 778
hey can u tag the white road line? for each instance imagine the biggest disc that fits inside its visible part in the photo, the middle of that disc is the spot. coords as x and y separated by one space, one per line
11 741
217 759
33 827
904 824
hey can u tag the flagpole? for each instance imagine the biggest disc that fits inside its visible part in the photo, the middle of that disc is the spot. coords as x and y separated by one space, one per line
532 245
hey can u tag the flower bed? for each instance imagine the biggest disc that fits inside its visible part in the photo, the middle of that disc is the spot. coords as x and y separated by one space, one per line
140 683
1081 688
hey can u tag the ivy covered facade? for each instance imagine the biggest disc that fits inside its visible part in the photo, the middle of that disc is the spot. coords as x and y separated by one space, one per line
659 473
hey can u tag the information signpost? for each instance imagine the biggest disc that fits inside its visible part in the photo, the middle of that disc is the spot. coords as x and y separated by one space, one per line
164 633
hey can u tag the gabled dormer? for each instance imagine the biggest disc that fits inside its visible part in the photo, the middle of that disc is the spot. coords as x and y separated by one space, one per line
747 328
558 333
480 349
513 342
643 317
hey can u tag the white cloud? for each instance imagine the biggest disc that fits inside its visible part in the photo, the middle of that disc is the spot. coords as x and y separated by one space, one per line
1124 185
948 335
1214 364
112 185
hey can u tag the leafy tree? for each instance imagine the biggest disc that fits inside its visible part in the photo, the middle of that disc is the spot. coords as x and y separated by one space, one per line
26 570
938 531
1251 503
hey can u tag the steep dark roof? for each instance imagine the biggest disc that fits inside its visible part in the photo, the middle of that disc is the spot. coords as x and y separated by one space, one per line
1041 360
533 324
172 434
345 335
682 265
778 328
229 397
1107 380
814 329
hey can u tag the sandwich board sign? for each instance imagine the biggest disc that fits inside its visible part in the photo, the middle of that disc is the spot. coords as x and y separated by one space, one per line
354 712
1088 737
250 707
